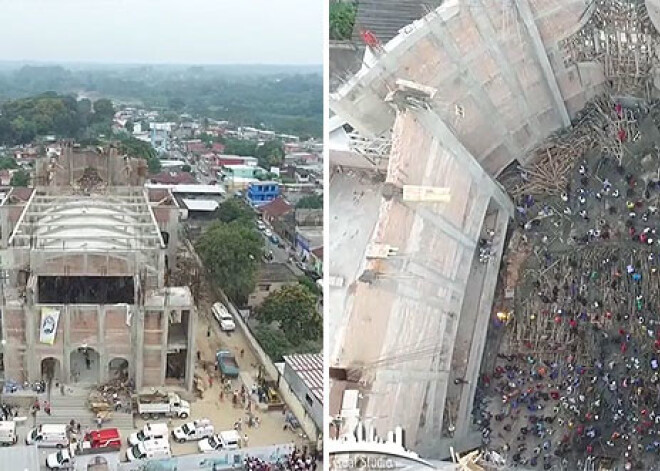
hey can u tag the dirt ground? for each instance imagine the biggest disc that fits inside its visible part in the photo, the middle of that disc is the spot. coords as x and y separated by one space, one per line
223 414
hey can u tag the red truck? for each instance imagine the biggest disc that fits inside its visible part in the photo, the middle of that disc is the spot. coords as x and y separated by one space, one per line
98 441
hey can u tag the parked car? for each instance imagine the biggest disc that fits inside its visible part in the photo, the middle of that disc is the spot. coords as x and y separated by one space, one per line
195 430
274 239
260 225
223 317
229 440
60 459
268 233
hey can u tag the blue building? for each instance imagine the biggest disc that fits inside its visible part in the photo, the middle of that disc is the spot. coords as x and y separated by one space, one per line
260 193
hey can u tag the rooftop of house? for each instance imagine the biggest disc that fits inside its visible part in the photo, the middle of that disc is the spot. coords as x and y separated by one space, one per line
175 178
276 273
309 367
276 208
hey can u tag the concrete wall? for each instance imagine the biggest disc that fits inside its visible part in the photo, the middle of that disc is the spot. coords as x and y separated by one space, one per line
498 61
304 395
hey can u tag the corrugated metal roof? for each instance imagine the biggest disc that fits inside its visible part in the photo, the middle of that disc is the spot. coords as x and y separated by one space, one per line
385 18
200 205
20 458
309 367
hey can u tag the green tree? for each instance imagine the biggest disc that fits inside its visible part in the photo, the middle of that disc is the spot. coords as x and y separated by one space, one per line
154 165
187 168
342 19
8 163
130 126
20 178
232 252
240 147
310 202
234 210
103 110
310 285
270 154
293 307
273 341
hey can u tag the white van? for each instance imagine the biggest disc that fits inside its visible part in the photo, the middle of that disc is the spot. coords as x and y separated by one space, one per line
48 435
149 432
223 317
150 450
8 433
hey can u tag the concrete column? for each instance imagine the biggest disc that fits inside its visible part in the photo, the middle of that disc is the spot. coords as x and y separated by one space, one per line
65 319
478 340
537 43
30 340
137 323
103 354
164 327
191 354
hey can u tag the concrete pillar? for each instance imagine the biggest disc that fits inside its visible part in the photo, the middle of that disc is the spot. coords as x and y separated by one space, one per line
65 319
478 341
165 328
138 346
103 354
537 43
30 339
191 353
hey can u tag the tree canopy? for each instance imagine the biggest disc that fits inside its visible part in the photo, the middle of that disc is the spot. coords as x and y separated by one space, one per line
234 210
232 252
286 99
49 113
270 154
293 307
310 202
342 19
20 178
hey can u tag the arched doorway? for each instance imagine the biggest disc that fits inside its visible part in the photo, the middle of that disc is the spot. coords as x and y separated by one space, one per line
118 369
50 369
85 365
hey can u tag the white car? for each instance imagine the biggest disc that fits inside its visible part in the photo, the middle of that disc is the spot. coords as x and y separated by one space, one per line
60 459
229 440
260 225
223 317
268 233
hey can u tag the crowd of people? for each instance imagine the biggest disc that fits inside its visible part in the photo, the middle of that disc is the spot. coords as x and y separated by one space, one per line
595 284
298 460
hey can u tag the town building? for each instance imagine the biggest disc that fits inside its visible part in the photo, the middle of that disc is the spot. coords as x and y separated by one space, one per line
304 375
259 193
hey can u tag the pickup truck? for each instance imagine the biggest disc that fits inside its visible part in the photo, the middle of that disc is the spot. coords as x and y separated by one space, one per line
195 430
227 363
159 404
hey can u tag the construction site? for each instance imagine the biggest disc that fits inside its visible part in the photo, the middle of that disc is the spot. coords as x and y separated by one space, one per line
86 294
494 209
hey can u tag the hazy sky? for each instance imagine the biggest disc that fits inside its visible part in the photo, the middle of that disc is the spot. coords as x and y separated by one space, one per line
163 31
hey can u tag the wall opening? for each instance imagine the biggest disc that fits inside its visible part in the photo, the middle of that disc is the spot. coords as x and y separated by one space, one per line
85 366
118 369
86 290
175 370
50 369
